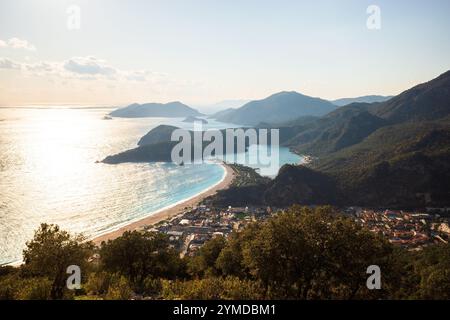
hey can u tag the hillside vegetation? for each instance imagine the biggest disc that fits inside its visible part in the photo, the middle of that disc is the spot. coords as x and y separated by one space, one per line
301 254
390 154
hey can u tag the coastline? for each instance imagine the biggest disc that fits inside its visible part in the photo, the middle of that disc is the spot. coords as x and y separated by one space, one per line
172 211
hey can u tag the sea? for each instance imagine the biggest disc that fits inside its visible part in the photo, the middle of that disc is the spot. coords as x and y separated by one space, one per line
49 173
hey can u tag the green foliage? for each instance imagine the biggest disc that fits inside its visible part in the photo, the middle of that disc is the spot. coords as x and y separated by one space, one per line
432 268
98 283
137 256
246 176
50 253
213 288
8 287
15 287
302 253
229 261
119 289
152 287
35 289
246 189
307 254
203 263
382 170
300 185
339 129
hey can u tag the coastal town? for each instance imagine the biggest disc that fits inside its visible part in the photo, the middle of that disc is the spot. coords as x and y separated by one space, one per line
189 230
194 224
409 229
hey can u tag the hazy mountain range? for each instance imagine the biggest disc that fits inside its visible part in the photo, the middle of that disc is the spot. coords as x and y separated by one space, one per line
277 108
394 153
286 106
364 99
222 105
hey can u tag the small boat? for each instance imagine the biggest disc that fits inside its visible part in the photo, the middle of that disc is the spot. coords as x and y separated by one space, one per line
107 117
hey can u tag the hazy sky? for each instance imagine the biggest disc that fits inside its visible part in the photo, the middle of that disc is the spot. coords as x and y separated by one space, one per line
204 51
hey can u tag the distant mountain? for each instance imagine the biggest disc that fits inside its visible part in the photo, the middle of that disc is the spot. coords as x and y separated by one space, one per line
277 108
221 113
222 105
427 101
364 99
169 110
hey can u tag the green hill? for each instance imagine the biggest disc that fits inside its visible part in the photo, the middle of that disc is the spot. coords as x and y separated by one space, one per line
426 101
339 129
391 154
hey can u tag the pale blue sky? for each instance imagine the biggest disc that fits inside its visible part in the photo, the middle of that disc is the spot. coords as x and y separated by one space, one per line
202 51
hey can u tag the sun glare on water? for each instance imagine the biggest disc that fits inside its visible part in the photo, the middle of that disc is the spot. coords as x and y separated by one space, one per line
49 174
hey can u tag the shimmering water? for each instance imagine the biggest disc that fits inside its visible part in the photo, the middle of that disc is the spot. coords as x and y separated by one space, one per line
48 173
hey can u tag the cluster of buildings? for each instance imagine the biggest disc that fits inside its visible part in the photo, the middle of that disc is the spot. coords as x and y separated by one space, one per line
412 230
189 230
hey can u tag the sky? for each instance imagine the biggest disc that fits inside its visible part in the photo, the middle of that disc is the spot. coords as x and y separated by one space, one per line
115 52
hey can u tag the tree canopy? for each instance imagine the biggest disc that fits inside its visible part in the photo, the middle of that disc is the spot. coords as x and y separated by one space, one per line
301 253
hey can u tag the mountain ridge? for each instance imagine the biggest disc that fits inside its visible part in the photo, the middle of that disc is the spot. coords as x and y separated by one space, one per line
362 99
393 160
278 107
426 101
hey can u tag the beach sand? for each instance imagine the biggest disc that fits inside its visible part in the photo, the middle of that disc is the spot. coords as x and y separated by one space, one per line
170 212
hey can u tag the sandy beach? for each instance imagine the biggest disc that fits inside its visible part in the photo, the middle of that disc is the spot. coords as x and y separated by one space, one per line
172 211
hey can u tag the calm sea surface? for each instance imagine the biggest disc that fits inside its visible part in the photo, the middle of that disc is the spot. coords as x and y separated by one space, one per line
48 173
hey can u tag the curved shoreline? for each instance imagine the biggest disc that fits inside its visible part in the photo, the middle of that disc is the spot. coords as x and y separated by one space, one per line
169 212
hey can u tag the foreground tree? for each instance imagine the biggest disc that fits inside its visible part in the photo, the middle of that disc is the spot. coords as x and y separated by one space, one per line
432 272
49 254
138 255
308 254
204 262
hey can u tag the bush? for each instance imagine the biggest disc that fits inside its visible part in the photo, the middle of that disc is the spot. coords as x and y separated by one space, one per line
119 289
8 288
138 256
152 287
98 283
213 288
35 289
